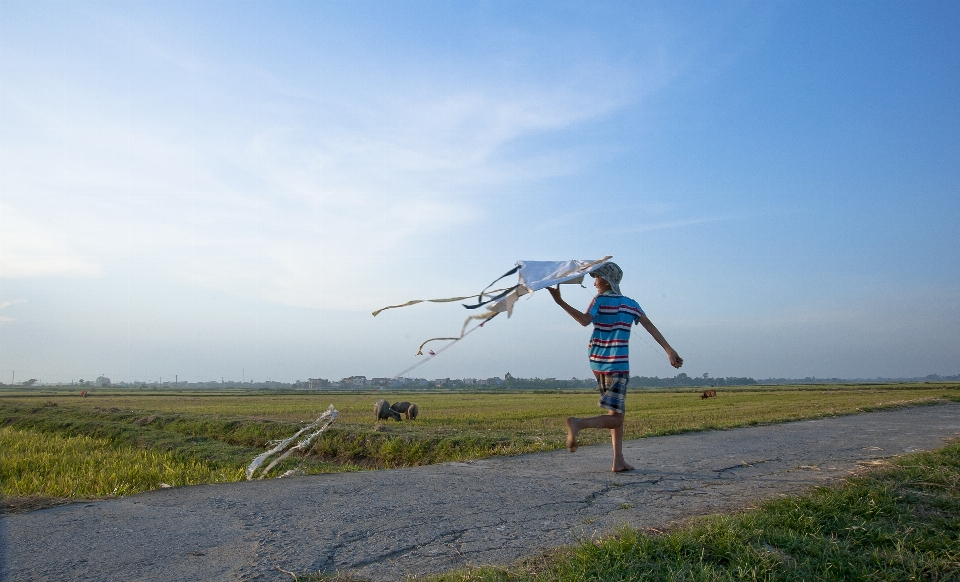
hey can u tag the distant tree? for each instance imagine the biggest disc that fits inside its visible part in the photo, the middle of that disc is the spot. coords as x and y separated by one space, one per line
29 382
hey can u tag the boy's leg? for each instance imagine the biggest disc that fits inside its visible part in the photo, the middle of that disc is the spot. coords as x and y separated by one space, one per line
613 390
616 437
611 420
575 424
572 430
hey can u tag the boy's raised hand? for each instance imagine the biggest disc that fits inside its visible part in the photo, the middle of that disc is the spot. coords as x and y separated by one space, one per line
555 293
675 360
580 317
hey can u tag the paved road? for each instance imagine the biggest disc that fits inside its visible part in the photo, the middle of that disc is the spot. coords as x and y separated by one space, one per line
387 525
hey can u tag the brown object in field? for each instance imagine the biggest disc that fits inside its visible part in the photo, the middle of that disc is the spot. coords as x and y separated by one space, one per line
412 412
400 407
383 411
708 394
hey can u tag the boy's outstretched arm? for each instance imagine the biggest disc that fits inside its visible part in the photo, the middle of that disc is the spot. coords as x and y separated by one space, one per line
675 360
582 318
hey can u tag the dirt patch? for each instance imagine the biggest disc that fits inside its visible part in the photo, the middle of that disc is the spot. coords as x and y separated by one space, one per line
145 420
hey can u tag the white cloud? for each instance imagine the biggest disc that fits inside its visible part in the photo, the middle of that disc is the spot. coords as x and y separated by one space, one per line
293 181
677 223
272 212
29 248
4 305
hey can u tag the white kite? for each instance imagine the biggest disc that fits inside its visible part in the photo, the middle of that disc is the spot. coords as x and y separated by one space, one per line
532 276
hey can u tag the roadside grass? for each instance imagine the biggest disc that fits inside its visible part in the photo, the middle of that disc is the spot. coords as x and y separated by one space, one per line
225 431
897 523
52 465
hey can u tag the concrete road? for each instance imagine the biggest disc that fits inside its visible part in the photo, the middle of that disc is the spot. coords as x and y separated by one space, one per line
389 525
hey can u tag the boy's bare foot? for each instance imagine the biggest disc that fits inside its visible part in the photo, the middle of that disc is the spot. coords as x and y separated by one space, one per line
572 431
622 467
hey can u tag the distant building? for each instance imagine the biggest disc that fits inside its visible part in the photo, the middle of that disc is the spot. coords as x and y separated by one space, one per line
103 381
354 381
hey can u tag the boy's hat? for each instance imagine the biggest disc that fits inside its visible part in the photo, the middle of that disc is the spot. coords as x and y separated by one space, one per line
611 273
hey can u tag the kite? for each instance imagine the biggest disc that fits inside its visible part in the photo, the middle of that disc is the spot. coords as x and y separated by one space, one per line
532 276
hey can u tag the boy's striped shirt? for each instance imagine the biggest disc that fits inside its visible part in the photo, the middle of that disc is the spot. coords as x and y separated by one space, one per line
613 315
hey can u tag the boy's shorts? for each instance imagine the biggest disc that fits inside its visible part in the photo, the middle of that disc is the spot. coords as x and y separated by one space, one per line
613 390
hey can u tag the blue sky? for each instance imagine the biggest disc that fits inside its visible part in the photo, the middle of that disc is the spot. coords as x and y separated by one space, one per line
212 190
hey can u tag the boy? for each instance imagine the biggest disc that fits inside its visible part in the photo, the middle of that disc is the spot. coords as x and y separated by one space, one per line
611 314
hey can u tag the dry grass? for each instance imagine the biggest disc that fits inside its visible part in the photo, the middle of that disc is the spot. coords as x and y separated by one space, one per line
50 465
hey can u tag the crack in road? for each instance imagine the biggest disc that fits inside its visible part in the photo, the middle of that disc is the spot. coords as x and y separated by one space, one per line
746 464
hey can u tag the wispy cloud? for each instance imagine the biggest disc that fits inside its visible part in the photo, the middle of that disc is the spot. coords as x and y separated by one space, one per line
273 209
667 224
4 305
291 180
681 223
30 248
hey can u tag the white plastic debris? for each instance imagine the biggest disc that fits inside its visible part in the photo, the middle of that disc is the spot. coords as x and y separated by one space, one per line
283 449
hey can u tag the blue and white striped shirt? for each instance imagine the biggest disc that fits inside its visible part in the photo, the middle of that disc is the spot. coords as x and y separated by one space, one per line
609 345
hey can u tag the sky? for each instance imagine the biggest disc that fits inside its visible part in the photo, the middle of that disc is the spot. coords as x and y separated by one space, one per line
209 190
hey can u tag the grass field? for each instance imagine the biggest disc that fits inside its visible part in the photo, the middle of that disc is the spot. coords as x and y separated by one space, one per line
80 466
200 437
900 523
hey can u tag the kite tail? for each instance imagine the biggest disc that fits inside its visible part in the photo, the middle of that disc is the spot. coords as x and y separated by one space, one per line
446 300
481 301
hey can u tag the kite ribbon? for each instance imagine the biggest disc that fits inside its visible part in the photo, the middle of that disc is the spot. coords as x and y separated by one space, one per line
480 300
447 300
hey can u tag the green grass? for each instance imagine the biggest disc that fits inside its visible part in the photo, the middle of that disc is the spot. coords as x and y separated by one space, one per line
81 466
901 523
224 431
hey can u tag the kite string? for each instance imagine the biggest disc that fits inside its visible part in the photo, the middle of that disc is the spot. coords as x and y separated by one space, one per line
444 348
660 351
